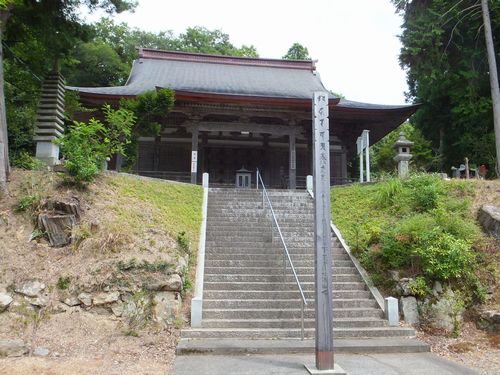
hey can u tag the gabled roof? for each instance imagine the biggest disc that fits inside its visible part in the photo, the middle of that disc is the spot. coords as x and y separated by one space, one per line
220 75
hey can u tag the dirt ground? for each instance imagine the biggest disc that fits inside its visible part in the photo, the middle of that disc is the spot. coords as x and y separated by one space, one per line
85 343
79 342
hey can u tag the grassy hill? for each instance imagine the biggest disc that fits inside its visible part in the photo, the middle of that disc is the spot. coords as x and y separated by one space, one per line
133 233
424 228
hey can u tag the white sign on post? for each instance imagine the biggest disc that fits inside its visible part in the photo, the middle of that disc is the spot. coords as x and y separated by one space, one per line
194 161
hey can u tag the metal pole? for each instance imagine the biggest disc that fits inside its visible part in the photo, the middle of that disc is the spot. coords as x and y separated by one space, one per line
302 318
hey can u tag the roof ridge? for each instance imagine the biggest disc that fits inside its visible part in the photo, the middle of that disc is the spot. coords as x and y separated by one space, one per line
158 54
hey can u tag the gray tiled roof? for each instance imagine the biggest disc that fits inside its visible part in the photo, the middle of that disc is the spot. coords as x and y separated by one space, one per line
217 78
344 103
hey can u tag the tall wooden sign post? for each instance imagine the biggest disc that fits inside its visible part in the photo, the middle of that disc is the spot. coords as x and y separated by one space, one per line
322 239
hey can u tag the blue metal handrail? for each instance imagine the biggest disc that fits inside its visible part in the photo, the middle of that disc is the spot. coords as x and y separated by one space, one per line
286 254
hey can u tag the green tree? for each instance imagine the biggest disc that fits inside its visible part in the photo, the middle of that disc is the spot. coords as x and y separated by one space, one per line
447 71
297 52
150 110
382 153
38 33
95 64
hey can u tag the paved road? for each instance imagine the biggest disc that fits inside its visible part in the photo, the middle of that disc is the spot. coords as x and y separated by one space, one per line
353 364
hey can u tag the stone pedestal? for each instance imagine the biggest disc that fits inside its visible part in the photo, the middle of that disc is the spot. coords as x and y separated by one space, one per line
392 311
47 152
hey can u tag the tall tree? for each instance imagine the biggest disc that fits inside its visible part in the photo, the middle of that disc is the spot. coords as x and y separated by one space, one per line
297 52
447 71
495 92
38 33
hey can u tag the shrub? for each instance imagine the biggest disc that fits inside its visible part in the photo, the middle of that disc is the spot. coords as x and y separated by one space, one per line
63 282
445 257
86 146
418 287
183 242
25 161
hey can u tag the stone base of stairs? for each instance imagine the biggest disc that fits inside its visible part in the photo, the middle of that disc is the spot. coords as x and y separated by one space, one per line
297 346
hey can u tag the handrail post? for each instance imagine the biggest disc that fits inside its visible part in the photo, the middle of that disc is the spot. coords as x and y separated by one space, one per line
302 324
257 178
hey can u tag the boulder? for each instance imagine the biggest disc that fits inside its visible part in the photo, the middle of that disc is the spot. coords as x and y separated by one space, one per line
40 301
446 313
404 290
437 288
117 308
166 306
489 218
85 299
489 321
173 283
31 288
105 298
137 310
5 301
12 348
72 301
410 310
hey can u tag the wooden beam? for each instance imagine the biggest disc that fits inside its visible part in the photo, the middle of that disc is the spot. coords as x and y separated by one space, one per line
279 130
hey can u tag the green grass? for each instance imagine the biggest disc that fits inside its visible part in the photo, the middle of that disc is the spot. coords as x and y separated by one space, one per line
163 205
422 227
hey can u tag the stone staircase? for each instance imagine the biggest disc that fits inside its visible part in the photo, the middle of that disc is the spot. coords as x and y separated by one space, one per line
246 295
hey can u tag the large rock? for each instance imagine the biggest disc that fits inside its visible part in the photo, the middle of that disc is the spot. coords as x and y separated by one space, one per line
489 218
31 288
5 301
446 313
410 310
489 321
85 299
166 307
106 298
173 283
12 348
137 310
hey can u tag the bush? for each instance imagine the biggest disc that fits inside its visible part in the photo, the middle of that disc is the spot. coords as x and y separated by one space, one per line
86 146
24 160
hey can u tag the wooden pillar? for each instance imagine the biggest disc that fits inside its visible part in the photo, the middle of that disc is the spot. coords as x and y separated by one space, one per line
322 231
203 151
194 155
266 164
156 154
292 170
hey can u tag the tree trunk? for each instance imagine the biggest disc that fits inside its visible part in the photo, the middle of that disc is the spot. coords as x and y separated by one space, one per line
495 93
4 142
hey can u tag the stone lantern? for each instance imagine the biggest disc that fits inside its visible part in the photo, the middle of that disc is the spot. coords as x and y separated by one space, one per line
403 155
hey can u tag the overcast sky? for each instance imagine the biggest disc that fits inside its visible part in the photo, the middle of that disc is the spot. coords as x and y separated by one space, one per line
354 41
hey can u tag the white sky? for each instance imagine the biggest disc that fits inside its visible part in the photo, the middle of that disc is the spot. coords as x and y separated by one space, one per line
355 41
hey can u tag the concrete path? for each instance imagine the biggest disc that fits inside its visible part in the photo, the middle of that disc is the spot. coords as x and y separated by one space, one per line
353 364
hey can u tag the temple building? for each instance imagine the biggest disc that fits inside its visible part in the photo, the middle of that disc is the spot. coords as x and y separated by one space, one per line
233 115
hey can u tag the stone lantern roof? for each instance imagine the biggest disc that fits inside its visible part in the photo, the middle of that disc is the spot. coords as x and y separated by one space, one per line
403 141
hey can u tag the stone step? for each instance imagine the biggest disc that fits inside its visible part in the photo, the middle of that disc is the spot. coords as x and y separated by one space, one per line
272 286
292 323
240 313
253 278
276 256
276 270
284 347
270 263
271 333
283 304
259 244
292 294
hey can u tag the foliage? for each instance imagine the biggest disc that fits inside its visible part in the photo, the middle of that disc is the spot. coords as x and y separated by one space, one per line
382 153
37 34
297 52
86 146
24 160
420 226
444 54
63 282
418 287
150 109
183 242
134 265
